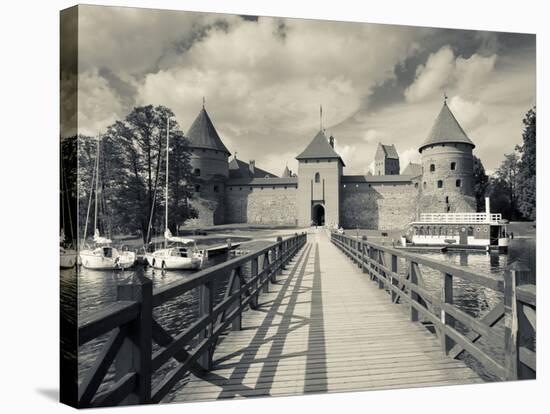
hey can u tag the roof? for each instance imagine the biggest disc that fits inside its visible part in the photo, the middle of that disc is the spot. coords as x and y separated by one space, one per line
377 178
413 169
389 151
241 169
319 147
203 134
263 181
446 129
286 172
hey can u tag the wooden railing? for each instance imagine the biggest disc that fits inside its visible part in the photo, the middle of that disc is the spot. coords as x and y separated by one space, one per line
518 308
132 327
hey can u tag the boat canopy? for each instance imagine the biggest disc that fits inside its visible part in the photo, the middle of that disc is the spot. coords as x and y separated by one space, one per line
168 236
100 240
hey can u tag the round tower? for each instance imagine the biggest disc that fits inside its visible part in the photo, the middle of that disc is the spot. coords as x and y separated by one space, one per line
447 167
210 169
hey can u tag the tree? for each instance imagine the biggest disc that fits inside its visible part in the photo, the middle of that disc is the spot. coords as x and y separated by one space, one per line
504 187
528 167
132 174
481 182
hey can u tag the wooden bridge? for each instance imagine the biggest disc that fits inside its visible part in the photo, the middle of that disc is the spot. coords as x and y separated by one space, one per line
300 317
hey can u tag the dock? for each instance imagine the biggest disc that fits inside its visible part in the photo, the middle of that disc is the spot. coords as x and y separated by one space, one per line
312 313
324 328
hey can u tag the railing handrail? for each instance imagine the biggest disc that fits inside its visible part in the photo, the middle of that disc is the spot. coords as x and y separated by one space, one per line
518 308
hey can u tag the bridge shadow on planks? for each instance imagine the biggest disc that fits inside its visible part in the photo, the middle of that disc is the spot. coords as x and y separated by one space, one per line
280 340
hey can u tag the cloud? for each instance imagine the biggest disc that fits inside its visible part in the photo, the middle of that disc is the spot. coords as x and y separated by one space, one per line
433 76
470 114
443 72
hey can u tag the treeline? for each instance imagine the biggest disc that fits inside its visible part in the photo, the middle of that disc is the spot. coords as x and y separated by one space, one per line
132 174
512 188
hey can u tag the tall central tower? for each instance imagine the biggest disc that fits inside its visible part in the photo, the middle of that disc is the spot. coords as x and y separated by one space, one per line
319 173
447 167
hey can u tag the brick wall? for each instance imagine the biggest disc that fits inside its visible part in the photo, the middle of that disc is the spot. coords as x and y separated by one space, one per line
261 206
378 206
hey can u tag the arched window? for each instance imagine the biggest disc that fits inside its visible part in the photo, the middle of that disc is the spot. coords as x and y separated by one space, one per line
453 165
197 171
432 167
439 183
317 177
458 183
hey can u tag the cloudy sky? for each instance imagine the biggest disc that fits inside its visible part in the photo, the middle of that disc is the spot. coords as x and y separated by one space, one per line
264 79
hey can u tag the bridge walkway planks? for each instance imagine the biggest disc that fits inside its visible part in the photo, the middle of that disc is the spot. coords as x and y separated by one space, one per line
324 327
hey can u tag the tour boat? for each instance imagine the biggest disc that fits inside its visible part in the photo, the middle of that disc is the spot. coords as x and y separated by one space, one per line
481 231
178 253
102 256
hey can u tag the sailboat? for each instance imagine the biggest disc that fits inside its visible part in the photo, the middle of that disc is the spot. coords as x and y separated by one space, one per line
67 254
181 253
103 256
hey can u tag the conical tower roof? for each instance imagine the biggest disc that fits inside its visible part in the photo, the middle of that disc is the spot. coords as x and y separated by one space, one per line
319 147
446 129
203 134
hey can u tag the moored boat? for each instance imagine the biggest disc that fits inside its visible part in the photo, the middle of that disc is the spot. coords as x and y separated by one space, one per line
459 231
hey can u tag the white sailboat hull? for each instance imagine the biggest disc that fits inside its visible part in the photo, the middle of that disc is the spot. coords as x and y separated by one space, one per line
98 260
162 260
67 258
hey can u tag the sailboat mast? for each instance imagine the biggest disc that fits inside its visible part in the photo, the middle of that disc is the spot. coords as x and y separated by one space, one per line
166 190
96 181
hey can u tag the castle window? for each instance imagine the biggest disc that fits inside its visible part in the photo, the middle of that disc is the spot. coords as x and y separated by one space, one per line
458 183
453 165
415 185
216 189
317 177
432 167
447 199
273 187
240 188
285 187
439 183
197 188
197 171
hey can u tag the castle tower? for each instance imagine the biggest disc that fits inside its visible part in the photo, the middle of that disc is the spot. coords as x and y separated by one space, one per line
319 173
210 168
447 167
386 160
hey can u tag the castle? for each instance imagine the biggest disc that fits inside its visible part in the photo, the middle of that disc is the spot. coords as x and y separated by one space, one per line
233 191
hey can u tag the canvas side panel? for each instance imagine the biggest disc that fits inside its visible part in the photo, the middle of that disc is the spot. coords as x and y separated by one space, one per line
68 206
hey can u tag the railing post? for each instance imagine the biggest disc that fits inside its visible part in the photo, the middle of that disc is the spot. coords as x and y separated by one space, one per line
394 281
206 304
363 246
413 295
447 320
135 354
279 255
265 268
254 275
515 332
380 260
237 320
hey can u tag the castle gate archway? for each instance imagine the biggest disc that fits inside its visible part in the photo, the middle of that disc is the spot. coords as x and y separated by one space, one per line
318 215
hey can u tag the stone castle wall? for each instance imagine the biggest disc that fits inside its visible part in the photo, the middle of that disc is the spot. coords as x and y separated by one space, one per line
378 206
257 205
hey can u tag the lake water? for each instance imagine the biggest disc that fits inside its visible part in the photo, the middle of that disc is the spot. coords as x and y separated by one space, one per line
98 288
